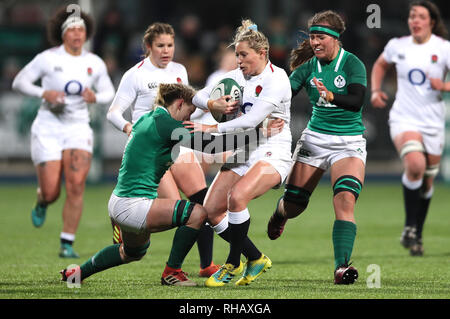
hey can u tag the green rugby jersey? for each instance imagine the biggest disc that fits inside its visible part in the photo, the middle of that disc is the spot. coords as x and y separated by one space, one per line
148 154
336 75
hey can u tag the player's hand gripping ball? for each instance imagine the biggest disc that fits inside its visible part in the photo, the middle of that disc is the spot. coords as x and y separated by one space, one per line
226 86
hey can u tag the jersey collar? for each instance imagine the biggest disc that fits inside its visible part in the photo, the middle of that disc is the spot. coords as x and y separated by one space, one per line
337 61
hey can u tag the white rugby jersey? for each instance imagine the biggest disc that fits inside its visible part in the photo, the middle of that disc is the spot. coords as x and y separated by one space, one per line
415 101
265 95
139 87
61 71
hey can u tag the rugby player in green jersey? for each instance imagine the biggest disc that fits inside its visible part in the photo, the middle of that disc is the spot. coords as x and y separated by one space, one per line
134 205
335 81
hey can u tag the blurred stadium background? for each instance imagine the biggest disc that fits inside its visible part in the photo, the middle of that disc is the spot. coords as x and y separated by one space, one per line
201 26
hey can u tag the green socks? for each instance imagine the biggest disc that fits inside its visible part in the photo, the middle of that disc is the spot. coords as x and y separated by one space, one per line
109 257
344 233
106 258
183 240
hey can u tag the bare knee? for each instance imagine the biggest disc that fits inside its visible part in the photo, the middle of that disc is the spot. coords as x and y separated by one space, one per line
75 187
48 195
198 217
344 205
237 200
415 165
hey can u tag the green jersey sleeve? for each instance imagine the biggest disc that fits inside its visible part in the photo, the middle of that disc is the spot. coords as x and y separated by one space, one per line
355 70
298 77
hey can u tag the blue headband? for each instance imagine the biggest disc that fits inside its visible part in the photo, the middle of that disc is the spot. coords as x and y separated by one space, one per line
253 27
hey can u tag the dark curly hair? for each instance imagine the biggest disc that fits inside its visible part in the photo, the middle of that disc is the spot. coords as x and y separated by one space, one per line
56 21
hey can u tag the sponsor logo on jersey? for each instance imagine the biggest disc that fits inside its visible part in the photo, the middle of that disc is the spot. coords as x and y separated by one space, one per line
416 77
246 107
339 81
57 69
73 87
304 153
311 82
268 154
401 56
152 85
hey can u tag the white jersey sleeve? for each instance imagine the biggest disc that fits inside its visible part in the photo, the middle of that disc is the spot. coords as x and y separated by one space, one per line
124 98
389 51
24 80
103 85
60 71
249 120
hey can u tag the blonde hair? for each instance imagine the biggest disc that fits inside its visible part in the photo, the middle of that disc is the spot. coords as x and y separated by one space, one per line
304 52
248 31
154 30
168 93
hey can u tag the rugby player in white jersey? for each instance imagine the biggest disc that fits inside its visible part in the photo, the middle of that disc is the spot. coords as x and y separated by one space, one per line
227 62
417 118
61 138
266 94
138 90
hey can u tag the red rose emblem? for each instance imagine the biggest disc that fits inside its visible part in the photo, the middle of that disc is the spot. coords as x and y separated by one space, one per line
89 71
434 58
179 80
258 90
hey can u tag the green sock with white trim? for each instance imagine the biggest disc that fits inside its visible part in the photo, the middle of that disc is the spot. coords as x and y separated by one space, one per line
344 233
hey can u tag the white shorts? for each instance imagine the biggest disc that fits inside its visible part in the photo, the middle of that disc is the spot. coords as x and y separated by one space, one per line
433 140
323 150
276 152
130 213
50 139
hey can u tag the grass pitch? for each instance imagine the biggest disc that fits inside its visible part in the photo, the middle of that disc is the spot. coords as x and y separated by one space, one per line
302 258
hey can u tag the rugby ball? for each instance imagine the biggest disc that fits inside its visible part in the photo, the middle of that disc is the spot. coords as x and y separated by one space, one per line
226 86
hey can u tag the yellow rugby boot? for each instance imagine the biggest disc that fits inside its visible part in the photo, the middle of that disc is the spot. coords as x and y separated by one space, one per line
254 269
224 275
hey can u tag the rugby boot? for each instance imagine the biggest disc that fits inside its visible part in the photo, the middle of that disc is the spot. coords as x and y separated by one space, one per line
254 269
70 272
208 271
275 227
67 251
176 277
117 237
38 215
224 275
408 237
417 248
345 275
